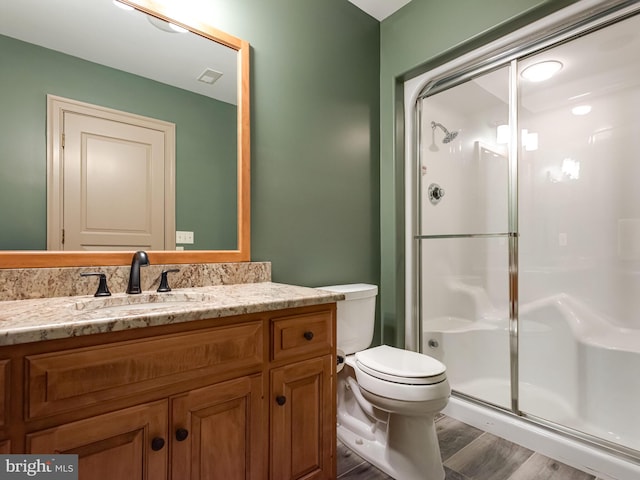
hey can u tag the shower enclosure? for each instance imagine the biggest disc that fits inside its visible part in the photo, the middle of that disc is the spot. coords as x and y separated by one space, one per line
527 230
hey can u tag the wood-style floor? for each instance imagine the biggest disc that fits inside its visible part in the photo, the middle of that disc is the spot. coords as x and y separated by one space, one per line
471 454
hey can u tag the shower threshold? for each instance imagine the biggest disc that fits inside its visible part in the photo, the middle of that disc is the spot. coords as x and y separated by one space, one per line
548 440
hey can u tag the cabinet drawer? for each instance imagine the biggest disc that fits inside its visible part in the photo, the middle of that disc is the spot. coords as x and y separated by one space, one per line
67 380
310 333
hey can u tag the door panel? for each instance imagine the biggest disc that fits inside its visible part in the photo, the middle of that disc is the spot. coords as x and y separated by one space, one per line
113 184
301 401
114 445
223 427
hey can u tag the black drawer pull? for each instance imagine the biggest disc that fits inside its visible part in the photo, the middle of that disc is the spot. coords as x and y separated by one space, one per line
308 335
182 434
281 400
157 444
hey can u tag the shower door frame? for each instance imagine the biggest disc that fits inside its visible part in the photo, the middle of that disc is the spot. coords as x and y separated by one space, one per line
512 225
592 16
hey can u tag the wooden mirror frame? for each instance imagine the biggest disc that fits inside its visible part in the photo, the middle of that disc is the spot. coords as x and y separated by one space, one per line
44 259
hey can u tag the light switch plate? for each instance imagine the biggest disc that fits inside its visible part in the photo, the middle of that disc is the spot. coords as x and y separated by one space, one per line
184 237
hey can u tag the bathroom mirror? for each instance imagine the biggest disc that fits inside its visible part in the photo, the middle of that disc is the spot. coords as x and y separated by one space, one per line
27 256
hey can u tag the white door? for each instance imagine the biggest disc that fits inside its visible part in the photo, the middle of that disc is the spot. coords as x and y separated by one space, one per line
113 185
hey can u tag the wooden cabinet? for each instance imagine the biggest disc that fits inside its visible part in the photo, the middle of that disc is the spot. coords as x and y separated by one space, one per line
216 432
302 402
212 433
81 377
199 400
5 445
302 420
4 389
128 443
302 335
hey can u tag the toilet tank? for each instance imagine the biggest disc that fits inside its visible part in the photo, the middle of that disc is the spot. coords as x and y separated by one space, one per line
356 316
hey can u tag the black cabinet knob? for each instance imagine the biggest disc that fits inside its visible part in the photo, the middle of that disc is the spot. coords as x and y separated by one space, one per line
182 434
281 400
157 443
308 335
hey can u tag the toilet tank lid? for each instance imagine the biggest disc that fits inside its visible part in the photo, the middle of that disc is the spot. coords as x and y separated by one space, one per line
353 291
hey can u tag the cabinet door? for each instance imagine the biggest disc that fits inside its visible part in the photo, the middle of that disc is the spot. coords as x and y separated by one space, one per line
302 420
5 446
128 443
217 432
4 390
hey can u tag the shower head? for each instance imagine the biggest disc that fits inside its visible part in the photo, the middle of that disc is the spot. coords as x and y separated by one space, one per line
448 136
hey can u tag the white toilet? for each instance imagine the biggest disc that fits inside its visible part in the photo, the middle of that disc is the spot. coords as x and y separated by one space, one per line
387 397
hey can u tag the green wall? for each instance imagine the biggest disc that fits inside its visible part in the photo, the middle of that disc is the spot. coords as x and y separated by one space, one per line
415 39
315 103
203 125
314 137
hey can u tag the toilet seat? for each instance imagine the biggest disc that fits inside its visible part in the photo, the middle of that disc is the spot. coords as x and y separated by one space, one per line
400 366
397 374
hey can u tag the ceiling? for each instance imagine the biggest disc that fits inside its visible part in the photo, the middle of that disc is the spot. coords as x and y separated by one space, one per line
138 47
124 40
380 9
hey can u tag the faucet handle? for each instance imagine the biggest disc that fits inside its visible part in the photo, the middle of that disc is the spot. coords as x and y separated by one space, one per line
164 283
103 290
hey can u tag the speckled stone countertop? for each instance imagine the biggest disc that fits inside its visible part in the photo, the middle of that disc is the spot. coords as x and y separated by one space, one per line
23 321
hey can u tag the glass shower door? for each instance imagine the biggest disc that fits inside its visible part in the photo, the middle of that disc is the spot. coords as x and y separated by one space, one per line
463 236
529 268
579 205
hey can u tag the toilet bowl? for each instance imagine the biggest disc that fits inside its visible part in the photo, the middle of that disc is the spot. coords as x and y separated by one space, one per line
387 397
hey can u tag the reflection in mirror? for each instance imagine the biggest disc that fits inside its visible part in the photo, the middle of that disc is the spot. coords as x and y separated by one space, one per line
174 80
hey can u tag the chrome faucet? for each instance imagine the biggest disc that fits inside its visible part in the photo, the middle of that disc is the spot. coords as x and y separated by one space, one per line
140 259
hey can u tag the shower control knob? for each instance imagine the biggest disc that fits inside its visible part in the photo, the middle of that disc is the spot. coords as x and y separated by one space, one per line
435 193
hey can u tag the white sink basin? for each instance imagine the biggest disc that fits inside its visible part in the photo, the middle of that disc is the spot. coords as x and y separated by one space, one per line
143 301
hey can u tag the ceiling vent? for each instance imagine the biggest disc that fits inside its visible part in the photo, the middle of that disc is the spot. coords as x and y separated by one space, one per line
209 76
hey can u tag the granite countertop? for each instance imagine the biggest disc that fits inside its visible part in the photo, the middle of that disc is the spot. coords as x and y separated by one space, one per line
23 321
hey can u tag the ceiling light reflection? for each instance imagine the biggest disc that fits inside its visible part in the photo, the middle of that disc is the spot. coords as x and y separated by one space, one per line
581 110
541 71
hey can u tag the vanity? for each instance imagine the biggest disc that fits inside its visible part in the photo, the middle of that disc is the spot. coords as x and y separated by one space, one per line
226 381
